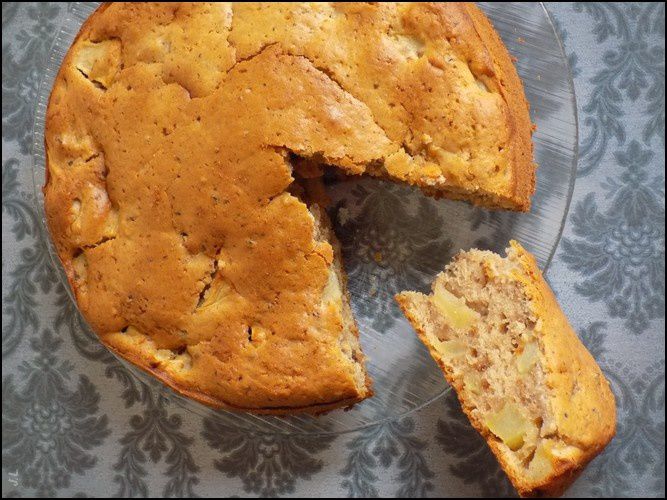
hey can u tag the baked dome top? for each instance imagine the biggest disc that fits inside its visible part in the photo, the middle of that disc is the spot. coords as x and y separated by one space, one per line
169 136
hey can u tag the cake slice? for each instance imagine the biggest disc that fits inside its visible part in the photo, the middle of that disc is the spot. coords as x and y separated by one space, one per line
523 377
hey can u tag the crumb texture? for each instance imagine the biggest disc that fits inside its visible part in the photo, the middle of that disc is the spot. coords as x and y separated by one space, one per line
524 379
172 134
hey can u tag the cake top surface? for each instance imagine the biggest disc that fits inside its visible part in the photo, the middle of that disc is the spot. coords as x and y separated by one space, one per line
169 135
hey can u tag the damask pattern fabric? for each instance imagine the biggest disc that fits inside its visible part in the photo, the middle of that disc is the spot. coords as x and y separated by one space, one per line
75 422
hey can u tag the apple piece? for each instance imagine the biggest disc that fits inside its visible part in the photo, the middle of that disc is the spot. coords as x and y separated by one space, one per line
510 425
453 308
528 357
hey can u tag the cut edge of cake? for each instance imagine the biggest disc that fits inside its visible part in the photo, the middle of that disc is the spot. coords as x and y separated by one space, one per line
523 378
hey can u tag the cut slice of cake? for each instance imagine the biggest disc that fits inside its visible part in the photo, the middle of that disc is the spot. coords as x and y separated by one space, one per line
523 377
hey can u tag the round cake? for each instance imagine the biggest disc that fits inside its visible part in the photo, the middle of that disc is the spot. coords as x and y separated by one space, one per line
177 136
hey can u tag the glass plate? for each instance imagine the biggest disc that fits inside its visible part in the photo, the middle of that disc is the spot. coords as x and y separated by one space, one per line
394 238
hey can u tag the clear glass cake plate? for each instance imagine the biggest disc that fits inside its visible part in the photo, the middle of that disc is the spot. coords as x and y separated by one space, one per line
395 238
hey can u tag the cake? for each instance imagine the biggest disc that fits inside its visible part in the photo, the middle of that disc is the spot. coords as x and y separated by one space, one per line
523 377
174 134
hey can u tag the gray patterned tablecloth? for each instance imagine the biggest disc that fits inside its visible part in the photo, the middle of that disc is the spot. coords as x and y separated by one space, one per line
74 422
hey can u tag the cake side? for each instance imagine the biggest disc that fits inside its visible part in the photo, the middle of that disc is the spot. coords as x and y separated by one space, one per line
523 378
579 390
510 87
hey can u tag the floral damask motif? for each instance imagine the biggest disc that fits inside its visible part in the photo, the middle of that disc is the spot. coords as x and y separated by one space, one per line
572 59
652 21
593 337
655 106
269 464
154 434
9 10
19 306
635 458
22 64
48 428
632 68
393 242
621 252
610 19
16 203
34 270
378 448
475 463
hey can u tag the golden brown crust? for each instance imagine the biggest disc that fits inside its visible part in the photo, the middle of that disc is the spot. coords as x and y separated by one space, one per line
168 136
511 88
583 405
136 359
437 80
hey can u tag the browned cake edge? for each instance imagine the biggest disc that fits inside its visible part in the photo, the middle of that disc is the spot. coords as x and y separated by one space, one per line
85 27
162 376
565 343
500 73
512 91
144 362
566 472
